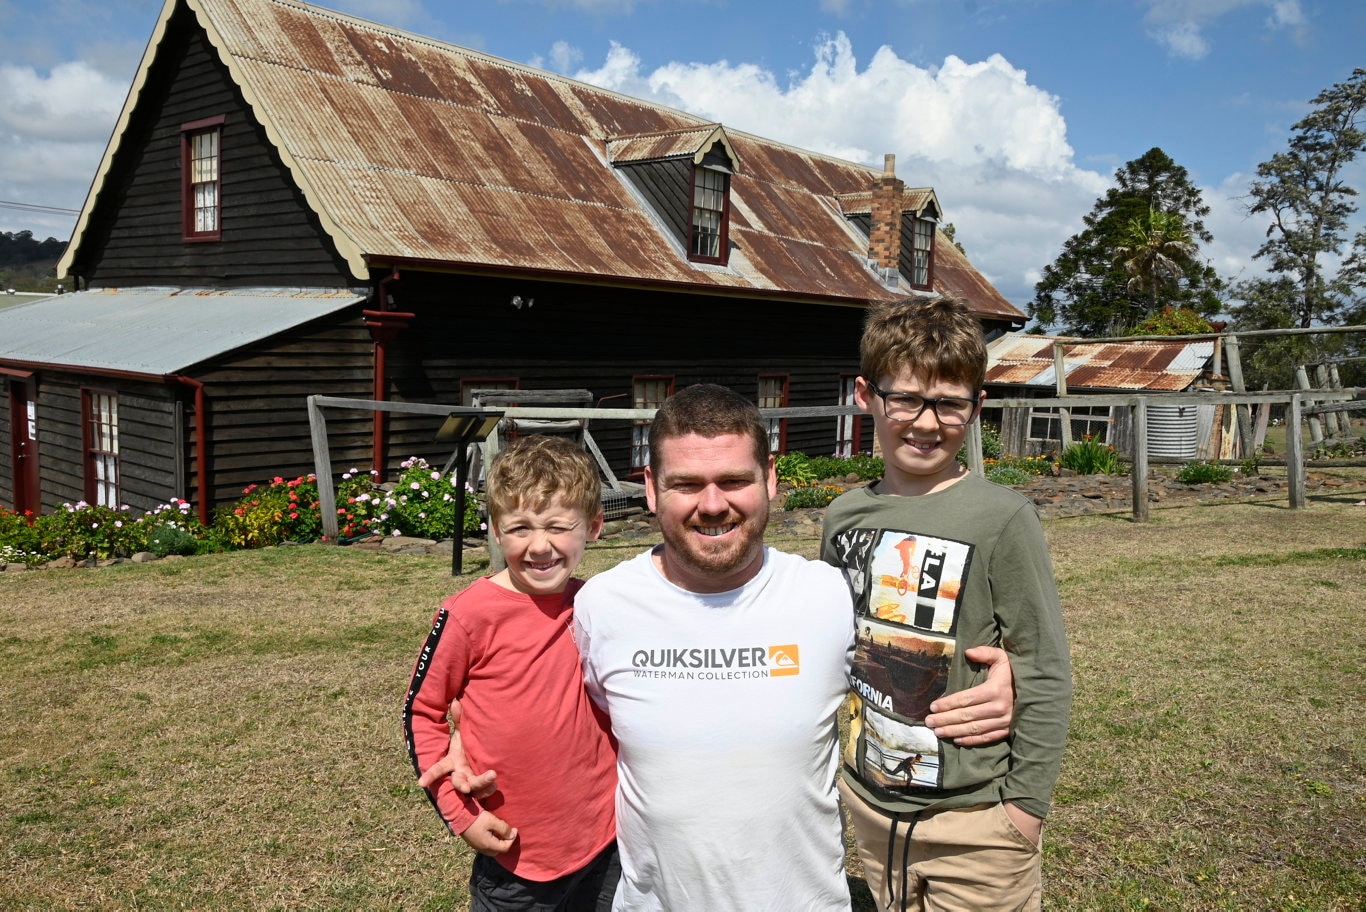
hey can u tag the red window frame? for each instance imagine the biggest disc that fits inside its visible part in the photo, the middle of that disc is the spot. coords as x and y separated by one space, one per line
710 188
848 428
197 179
922 246
100 446
646 393
771 396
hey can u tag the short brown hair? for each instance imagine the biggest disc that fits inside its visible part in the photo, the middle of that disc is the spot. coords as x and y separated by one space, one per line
535 470
938 340
708 410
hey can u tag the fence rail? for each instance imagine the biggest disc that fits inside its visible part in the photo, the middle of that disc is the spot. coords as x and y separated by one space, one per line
1298 402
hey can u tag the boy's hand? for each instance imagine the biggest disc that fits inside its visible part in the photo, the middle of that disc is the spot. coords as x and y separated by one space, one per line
488 835
1025 822
456 765
981 714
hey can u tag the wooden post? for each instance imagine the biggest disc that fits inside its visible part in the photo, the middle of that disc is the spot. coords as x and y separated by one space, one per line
1064 414
1315 428
322 470
1243 423
496 560
1294 454
1140 464
974 445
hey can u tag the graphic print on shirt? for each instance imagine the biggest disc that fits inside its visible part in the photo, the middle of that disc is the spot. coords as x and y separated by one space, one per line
907 595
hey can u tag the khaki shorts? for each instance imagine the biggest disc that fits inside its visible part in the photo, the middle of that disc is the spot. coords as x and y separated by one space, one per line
968 859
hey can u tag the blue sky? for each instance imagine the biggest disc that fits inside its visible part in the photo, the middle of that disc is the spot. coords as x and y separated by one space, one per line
1016 111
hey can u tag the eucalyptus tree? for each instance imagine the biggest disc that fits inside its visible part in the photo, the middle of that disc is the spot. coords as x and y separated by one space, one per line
1305 193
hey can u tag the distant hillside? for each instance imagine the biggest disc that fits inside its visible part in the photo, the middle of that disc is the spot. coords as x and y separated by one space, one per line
27 264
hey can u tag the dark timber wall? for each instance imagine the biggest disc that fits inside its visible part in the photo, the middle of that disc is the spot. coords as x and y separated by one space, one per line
579 336
269 236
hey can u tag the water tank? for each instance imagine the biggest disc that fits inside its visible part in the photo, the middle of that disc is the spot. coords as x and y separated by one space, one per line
1172 430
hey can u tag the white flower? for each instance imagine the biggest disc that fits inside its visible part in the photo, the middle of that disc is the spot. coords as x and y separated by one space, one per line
436 476
396 533
422 516
415 486
118 524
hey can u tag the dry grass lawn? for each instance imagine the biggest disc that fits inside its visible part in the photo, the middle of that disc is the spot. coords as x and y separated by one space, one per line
222 731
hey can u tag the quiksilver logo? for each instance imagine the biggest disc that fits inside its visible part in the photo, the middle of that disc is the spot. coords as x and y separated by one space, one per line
739 662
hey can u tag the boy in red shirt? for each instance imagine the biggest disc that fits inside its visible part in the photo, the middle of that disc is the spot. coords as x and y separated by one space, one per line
504 648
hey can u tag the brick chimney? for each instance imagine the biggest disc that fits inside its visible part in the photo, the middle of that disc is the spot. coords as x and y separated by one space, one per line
884 229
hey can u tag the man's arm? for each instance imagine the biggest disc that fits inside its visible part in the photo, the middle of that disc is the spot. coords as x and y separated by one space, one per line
981 714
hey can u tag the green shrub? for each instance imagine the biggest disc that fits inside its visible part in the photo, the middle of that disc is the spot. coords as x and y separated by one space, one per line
1193 473
168 538
866 466
808 496
991 441
420 503
1089 456
85 530
795 469
18 538
1006 473
280 511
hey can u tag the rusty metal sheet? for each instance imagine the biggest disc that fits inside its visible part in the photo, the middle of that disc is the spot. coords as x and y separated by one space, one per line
1028 360
655 146
413 148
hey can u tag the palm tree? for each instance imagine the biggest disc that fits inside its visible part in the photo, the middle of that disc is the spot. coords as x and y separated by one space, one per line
1156 253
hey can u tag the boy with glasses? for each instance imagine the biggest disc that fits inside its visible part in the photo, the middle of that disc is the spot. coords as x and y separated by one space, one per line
940 562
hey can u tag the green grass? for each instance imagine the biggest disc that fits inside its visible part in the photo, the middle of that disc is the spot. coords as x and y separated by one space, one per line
222 731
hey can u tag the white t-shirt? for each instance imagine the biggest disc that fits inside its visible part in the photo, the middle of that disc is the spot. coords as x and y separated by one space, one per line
725 708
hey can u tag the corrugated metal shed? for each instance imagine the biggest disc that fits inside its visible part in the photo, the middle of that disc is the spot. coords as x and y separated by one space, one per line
154 331
1023 360
408 148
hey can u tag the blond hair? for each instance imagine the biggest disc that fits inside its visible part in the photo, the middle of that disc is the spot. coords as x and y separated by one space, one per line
534 471
938 340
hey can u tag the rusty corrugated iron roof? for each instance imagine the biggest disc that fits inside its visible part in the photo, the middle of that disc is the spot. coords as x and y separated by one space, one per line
411 149
1024 360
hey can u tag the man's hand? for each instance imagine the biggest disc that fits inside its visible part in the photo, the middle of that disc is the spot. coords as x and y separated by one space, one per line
456 765
981 714
488 835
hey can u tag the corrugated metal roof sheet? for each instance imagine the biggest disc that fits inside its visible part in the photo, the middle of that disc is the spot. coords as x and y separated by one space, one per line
155 331
408 148
1023 360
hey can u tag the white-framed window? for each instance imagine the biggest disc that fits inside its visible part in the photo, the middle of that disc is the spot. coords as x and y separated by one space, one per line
201 167
773 394
101 439
709 205
1092 421
647 392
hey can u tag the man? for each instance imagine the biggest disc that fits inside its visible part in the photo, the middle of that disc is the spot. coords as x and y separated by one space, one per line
723 664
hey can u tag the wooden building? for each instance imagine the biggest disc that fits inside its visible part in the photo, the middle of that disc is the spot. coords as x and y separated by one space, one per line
296 201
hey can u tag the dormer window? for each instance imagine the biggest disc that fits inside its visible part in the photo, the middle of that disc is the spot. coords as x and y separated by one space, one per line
922 263
685 177
709 205
201 170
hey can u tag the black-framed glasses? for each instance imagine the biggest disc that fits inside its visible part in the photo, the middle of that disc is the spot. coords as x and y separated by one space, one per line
950 410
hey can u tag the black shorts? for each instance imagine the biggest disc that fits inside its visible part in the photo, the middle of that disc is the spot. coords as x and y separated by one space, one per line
493 888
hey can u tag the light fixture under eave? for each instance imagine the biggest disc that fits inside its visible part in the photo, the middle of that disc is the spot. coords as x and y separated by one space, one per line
518 302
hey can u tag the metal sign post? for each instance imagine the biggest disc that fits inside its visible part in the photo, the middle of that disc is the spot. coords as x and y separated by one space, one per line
464 426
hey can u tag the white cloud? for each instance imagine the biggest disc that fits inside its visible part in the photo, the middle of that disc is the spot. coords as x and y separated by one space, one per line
993 146
72 102
1180 25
